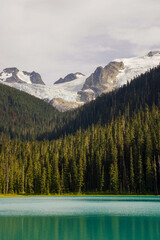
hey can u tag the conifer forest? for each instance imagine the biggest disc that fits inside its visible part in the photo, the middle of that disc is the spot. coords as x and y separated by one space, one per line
110 145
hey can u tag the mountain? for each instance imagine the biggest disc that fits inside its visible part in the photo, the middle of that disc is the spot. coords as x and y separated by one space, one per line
76 89
13 75
110 145
126 100
116 74
69 77
68 91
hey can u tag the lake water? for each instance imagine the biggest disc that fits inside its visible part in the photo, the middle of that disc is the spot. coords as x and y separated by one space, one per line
80 218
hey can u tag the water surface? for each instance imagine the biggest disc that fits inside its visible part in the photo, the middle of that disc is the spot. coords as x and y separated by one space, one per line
75 218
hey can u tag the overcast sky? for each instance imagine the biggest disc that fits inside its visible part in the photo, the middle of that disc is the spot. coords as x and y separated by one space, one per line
57 37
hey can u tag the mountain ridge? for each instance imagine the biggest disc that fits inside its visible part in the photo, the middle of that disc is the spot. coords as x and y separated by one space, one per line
14 75
77 89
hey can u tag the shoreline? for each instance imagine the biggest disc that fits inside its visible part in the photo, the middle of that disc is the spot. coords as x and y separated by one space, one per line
77 195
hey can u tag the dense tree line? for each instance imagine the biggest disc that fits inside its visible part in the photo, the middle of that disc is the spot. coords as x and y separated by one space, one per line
131 97
24 116
120 157
111 144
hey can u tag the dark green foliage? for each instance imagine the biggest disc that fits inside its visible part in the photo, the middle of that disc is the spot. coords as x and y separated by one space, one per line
113 145
142 91
88 161
24 116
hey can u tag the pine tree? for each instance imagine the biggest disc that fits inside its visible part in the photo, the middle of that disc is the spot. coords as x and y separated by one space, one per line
132 183
114 179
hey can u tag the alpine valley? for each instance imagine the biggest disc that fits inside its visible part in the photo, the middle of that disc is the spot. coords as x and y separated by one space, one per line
76 89
108 145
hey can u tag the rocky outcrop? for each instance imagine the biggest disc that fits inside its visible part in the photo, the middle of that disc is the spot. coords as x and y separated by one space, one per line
152 53
63 105
101 81
87 95
13 70
13 75
36 78
69 77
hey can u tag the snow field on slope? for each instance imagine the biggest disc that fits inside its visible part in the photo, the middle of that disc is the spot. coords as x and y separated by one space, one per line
67 91
135 67
4 76
23 77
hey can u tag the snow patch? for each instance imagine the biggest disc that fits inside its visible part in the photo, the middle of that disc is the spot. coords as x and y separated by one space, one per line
23 77
88 90
79 75
5 75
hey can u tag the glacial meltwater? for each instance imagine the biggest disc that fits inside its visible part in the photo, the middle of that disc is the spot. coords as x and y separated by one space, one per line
80 218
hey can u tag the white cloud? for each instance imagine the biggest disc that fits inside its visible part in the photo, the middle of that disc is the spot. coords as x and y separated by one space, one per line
55 37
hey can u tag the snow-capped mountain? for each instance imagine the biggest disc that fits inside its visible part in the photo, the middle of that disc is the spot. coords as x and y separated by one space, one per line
136 66
116 74
67 91
13 75
77 88
69 77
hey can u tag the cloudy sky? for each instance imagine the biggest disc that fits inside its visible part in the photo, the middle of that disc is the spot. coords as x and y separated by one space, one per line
57 37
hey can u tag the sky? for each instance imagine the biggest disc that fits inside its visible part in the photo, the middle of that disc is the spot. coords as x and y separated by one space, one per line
57 37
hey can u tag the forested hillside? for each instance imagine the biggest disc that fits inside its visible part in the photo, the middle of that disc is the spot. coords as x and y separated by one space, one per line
126 100
121 157
110 145
24 116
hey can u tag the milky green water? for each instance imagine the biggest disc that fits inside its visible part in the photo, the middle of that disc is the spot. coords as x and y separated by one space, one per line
80 218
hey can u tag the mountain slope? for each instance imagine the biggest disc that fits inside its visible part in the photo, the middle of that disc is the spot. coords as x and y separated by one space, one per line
118 73
115 147
126 100
69 77
12 75
24 116
67 91
77 88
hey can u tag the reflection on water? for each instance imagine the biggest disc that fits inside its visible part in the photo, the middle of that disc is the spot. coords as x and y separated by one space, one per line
80 228
80 218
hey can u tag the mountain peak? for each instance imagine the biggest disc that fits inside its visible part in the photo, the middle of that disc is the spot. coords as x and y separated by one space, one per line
11 69
153 53
70 77
13 75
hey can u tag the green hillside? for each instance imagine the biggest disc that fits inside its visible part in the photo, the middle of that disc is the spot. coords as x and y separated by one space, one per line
111 145
124 101
24 116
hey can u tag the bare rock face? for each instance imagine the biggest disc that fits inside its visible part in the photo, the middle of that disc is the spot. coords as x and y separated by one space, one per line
12 70
87 95
63 105
70 77
13 75
36 78
102 80
152 53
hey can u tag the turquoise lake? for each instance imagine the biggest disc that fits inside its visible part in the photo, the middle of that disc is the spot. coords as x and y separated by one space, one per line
80 218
